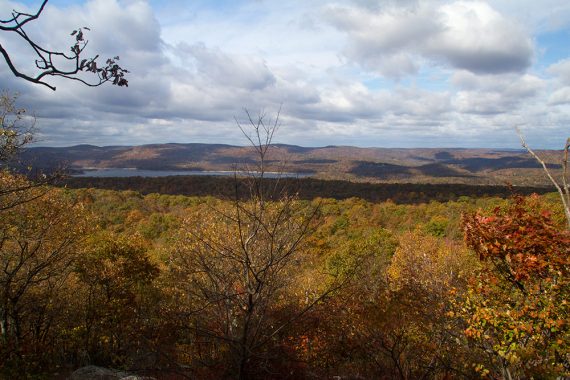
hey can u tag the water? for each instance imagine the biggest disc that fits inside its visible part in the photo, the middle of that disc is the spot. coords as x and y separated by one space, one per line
133 172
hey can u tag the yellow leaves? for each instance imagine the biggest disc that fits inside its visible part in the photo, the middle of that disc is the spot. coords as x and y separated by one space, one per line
484 372
429 263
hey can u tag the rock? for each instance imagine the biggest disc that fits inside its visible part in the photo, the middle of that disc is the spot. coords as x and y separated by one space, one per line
92 372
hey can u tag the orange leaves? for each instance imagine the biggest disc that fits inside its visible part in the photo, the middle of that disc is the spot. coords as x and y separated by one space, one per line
522 239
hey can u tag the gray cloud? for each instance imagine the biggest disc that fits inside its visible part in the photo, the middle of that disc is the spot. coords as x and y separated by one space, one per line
466 35
232 71
460 81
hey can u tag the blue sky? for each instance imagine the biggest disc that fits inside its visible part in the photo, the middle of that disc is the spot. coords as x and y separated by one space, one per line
387 73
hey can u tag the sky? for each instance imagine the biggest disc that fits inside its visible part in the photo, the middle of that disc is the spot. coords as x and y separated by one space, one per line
385 73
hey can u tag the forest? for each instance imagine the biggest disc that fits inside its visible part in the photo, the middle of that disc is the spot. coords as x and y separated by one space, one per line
304 188
259 282
200 287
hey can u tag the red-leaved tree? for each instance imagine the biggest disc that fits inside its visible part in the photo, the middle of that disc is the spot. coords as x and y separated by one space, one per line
517 309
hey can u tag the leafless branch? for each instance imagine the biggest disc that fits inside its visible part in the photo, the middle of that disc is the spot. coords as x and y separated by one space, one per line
239 263
45 59
562 189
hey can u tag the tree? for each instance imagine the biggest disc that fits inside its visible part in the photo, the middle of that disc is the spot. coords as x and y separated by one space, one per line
517 307
16 130
38 244
236 265
52 63
115 274
413 333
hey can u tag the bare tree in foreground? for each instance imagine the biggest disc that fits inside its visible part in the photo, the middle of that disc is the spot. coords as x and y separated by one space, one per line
57 63
562 188
238 264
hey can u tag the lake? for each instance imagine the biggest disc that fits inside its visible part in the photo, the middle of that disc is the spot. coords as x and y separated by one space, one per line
133 172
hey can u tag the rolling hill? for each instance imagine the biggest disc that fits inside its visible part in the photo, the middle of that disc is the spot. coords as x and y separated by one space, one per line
376 165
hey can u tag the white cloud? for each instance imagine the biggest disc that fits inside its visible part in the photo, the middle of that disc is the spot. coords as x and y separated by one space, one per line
560 96
466 73
231 71
542 16
561 70
492 94
477 38
467 35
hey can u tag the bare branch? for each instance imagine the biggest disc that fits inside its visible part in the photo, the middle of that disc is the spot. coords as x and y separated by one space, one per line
44 58
562 189
239 265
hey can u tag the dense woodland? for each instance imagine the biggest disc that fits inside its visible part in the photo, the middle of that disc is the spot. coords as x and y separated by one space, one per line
250 287
304 188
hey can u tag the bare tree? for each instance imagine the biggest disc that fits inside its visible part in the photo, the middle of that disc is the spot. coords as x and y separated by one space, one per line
235 265
563 188
57 63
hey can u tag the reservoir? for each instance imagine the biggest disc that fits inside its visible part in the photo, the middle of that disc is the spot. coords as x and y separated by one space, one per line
133 172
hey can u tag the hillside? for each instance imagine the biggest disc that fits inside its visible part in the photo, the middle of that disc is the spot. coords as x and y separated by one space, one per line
377 165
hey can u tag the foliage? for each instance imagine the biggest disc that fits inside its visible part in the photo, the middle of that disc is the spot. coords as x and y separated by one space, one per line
39 241
308 188
437 226
235 268
563 185
169 284
16 130
517 308
114 274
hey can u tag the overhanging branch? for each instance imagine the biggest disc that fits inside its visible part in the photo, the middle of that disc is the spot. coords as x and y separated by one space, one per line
110 71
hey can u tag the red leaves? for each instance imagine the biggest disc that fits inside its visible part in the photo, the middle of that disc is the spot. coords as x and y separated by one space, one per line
522 240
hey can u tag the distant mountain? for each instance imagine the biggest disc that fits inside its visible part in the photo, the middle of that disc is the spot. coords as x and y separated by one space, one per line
469 166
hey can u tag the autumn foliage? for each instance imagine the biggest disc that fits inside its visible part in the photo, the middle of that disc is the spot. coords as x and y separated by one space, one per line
522 242
517 308
177 287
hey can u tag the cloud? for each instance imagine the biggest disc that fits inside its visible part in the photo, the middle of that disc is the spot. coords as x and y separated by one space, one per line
466 70
466 35
232 71
559 97
116 26
477 38
561 70
492 94
543 16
